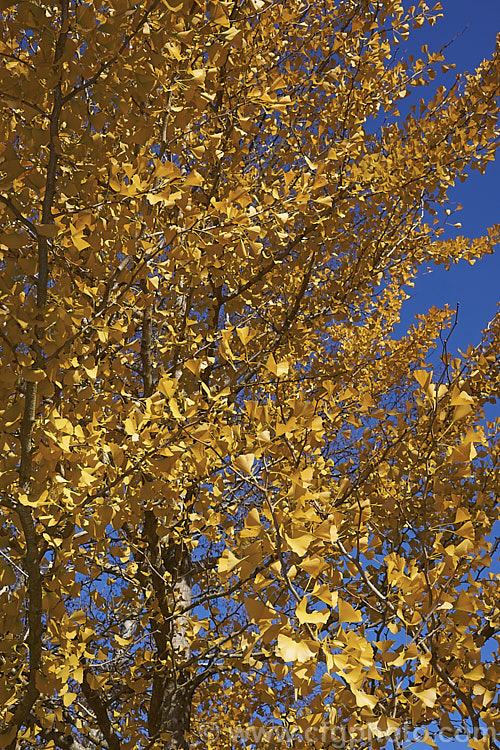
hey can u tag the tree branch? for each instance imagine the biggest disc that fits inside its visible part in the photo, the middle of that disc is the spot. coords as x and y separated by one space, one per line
98 707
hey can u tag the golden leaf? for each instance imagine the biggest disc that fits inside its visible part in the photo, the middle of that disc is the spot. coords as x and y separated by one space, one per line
428 696
314 617
291 650
347 613
244 463
228 562
300 544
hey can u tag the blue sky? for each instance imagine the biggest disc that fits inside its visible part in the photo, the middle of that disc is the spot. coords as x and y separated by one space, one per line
476 288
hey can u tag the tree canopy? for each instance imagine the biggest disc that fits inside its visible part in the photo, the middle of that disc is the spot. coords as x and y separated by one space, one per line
234 502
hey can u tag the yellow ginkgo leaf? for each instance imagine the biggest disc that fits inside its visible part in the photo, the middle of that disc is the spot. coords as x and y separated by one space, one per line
313 618
347 613
228 562
69 698
428 696
300 544
293 650
244 462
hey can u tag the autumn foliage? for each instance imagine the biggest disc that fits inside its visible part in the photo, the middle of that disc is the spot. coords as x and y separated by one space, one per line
231 497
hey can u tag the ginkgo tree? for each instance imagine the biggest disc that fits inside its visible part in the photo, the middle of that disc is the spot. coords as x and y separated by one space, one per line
232 499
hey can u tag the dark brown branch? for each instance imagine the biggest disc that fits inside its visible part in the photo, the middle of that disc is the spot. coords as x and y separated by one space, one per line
19 215
50 184
63 740
106 65
292 313
99 709
32 554
147 367
32 568
157 579
26 434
